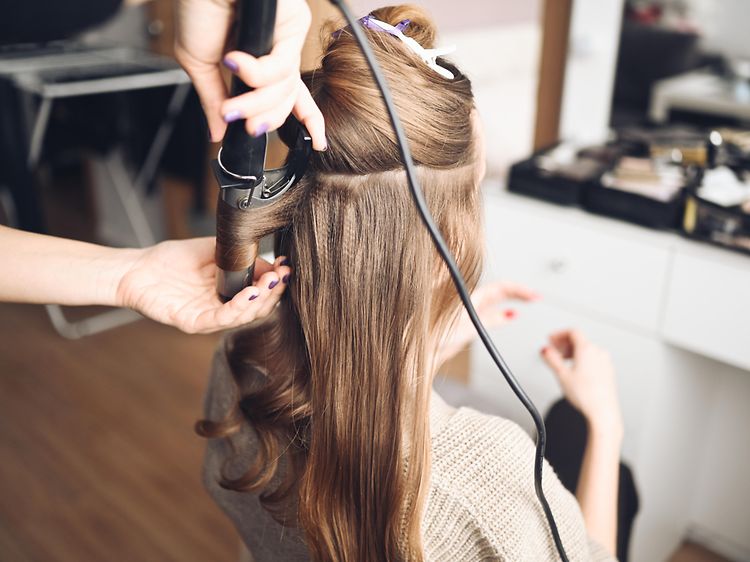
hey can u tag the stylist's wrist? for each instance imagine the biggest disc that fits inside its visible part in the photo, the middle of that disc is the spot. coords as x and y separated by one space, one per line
118 262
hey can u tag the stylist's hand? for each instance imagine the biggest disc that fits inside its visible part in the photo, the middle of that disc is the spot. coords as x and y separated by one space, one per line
175 283
587 378
488 301
200 46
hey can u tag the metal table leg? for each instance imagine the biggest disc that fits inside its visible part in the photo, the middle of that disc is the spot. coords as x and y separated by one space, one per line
128 192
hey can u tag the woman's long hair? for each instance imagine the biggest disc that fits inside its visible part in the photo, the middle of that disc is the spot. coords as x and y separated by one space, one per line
345 360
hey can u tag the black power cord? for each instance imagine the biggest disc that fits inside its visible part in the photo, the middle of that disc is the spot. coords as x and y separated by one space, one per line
442 248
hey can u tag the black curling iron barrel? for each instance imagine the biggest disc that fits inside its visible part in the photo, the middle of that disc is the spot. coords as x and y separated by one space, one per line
239 168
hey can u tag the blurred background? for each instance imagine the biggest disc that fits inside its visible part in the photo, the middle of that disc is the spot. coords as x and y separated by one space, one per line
618 147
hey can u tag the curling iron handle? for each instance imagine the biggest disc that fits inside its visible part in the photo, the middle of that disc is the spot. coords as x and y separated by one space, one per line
241 153
257 19
242 156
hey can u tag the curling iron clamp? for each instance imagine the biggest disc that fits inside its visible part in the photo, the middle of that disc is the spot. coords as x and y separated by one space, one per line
244 183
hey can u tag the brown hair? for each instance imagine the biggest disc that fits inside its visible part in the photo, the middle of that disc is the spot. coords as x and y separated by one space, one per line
342 412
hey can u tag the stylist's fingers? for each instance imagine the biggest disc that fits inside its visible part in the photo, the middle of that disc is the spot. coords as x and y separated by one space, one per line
252 303
272 118
277 287
223 316
556 362
262 107
259 72
307 112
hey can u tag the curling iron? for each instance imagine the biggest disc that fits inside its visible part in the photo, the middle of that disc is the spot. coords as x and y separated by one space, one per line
244 183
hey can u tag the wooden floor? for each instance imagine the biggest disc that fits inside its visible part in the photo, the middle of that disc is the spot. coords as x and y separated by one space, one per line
98 460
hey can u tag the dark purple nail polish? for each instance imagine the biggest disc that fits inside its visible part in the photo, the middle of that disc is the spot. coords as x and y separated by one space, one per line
262 129
273 284
285 261
231 65
285 279
233 115
253 297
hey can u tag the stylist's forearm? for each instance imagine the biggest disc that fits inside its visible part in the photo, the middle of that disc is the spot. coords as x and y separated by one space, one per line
45 269
597 489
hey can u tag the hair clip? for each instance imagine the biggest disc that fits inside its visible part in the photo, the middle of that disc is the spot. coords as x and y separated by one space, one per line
428 56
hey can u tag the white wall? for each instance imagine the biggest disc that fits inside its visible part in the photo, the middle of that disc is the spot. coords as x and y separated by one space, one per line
589 75
723 24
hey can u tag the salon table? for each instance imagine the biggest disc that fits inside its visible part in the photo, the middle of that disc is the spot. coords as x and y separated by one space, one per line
675 315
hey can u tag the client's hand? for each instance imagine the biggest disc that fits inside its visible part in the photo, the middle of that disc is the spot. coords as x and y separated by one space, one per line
200 48
175 283
487 301
587 378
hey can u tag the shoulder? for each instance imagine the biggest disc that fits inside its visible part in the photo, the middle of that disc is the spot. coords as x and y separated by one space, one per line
483 474
482 449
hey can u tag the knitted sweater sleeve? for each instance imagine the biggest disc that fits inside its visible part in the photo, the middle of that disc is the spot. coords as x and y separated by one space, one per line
482 505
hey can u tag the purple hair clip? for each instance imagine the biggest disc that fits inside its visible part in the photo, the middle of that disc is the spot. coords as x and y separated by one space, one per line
428 56
365 22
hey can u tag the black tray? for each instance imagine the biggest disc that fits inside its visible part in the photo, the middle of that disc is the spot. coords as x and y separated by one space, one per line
526 178
634 208
639 209
709 222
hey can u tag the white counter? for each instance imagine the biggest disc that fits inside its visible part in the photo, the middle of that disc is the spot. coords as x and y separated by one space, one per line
675 314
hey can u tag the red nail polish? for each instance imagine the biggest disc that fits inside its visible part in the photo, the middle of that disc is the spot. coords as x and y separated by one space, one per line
510 314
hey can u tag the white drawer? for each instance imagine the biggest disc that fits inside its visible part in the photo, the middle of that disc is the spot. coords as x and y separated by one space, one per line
708 307
576 264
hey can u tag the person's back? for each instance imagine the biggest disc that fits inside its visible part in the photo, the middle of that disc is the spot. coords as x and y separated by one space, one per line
480 506
327 442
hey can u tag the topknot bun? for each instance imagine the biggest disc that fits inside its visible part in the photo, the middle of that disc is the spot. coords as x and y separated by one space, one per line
434 110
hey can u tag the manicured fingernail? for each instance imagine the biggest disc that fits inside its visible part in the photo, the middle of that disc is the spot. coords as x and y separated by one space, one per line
272 284
285 261
510 314
261 130
253 297
285 279
233 115
231 65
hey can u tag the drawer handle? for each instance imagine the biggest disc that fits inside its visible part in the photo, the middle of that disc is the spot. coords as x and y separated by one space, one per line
558 266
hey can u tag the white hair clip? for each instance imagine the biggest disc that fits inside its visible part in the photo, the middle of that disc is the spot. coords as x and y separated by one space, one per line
429 56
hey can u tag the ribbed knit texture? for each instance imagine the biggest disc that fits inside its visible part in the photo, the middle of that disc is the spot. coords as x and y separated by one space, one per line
481 504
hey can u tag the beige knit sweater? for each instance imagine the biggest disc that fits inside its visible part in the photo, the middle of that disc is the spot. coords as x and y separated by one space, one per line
481 503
